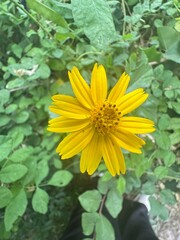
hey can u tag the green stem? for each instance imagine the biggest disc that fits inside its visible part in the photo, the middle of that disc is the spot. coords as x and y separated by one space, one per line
86 53
30 16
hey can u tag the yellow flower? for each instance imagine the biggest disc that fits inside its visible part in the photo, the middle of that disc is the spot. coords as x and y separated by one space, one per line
96 121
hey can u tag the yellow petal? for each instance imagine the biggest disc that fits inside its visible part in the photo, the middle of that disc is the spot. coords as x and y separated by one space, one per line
69 107
136 125
80 88
120 88
110 157
98 84
127 140
131 101
62 124
120 159
91 155
74 143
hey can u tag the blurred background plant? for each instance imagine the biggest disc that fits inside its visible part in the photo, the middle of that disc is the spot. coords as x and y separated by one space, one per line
39 42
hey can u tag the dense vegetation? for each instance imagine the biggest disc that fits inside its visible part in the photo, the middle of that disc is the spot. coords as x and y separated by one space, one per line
39 42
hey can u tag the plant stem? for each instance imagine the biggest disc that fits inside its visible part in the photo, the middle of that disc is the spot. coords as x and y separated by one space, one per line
33 18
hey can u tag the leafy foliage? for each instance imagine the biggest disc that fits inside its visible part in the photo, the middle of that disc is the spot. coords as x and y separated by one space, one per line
39 42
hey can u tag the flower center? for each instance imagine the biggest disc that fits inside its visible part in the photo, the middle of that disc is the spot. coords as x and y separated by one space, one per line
105 117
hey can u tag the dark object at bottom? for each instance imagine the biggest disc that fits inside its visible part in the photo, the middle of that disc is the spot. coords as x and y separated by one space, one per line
131 224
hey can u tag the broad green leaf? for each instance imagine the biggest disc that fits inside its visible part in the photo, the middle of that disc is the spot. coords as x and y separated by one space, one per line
90 200
176 106
88 222
4 120
41 171
173 52
57 163
21 154
104 186
5 196
114 202
5 147
15 209
47 13
11 108
40 201
12 173
167 197
167 156
17 136
95 19
167 36
104 229
175 137
43 71
152 54
60 178
18 82
4 96
17 50
141 77
121 184
157 209
162 140
31 165
174 123
161 172
21 117
163 122
149 188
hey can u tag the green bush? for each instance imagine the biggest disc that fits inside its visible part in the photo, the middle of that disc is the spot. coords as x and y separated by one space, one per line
38 45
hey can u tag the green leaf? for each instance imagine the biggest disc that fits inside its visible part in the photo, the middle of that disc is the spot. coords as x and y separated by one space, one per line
11 108
4 96
157 209
114 202
161 172
41 171
21 117
5 196
5 147
43 71
149 188
173 52
163 122
174 123
95 18
152 54
121 184
167 156
4 120
17 50
47 13
13 84
103 229
90 200
60 178
175 137
162 140
88 222
57 163
21 154
167 36
12 173
17 136
15 208
167 197
176 106
40 201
